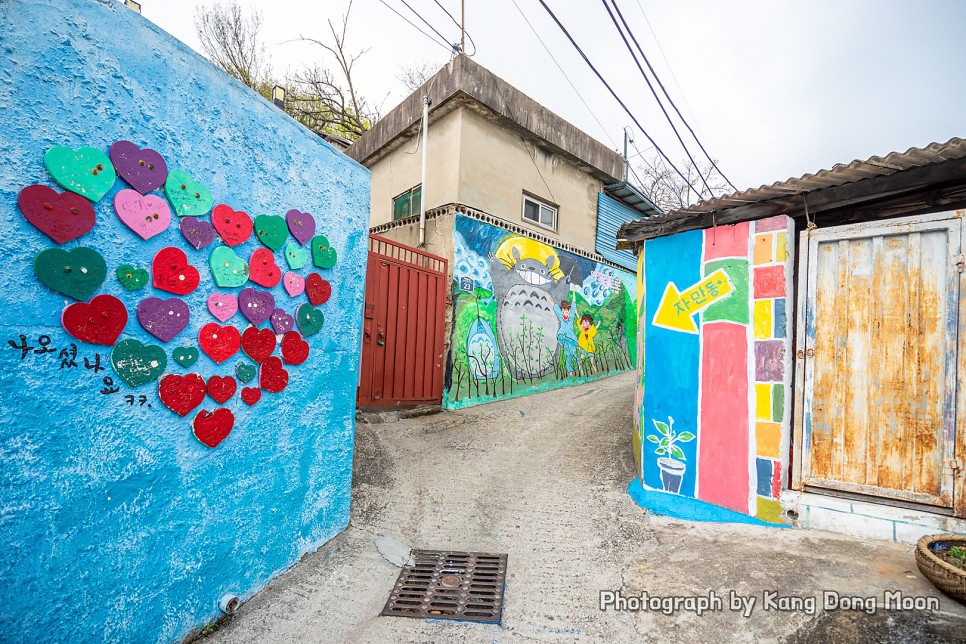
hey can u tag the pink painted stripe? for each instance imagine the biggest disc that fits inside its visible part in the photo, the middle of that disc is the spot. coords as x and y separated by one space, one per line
772 223
726 241
723 474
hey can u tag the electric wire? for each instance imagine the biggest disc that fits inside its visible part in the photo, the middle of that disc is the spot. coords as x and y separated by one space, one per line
617 98
574 87
656 97
458 24
447 47
427 23
668 96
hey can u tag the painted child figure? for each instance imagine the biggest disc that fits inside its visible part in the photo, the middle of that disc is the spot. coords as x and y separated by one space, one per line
586 340
567 334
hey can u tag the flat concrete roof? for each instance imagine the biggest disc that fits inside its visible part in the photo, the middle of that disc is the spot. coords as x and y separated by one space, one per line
463 82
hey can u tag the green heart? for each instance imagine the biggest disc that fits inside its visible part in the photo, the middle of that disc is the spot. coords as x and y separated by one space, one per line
295 256
271 230
310 319
189 197
138 363
228 269
88 171
132 278
185 356
323 255
245 372
76 273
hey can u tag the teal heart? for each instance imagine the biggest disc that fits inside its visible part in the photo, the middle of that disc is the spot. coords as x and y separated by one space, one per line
295 256
228 269
185 356
271 230
76 273
88 171
132 278
323 255
138 363
245 371
190 198
310 319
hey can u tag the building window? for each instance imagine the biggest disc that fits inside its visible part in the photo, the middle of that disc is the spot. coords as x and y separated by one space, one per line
540 213
408 203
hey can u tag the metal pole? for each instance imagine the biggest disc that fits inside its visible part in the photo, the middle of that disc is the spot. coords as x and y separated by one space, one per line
422 189
463 28
624 178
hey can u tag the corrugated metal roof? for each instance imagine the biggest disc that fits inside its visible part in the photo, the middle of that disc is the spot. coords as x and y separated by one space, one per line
838 175
611 214
632 197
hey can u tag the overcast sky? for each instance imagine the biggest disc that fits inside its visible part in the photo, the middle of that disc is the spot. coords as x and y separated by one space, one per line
774 88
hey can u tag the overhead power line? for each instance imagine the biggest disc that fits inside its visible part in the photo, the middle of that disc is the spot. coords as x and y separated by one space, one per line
427 23
668 96
617 98
458 24
654 93
447 47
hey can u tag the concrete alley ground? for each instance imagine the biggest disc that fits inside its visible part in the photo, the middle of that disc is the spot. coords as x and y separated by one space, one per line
543 478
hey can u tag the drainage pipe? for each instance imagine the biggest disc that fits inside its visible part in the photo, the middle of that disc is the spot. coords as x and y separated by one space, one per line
422 188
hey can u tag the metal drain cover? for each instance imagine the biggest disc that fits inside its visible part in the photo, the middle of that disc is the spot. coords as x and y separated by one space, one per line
465 586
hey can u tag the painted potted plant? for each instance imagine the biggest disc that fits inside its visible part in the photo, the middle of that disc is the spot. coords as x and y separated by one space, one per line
672 459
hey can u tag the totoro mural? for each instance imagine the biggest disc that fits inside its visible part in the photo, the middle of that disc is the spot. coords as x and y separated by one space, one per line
528 317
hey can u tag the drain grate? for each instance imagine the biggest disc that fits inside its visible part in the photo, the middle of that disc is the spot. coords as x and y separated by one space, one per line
466 586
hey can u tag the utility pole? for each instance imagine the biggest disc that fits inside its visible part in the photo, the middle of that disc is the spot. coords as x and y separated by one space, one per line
628 138
463 28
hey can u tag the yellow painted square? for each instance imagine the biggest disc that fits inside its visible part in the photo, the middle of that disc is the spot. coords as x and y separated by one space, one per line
781 247
764 252
763 402
769 510
763 319
768 438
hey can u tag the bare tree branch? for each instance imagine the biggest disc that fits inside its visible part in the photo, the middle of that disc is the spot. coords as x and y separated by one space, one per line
668 191
413 76
230 40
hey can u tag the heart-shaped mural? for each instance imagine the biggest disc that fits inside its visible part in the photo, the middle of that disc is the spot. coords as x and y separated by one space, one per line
295 350
323 255
219 342
173 273
271 231
210 428
251 395
318 289
282 322
190 198
258 344
222 305
295 256
294 284
131 278
181 394
301 225
310 320
99 321
262 268
234 226
136 363
197 232
185 356
86 171
164 319
60 216
245 371
221 388
143 169
146 215
257 306
272 376
76 273
228 269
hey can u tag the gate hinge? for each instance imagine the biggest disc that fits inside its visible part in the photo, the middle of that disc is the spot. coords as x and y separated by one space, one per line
954 465
960 263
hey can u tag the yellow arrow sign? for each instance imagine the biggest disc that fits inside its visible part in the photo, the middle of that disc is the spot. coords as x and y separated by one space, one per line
677 308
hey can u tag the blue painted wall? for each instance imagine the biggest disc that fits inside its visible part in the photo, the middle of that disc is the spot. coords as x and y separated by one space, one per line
115 523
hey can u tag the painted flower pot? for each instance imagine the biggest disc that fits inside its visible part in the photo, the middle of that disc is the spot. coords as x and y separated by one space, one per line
672 472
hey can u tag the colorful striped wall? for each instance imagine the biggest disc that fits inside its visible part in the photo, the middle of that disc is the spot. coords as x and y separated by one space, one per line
715 365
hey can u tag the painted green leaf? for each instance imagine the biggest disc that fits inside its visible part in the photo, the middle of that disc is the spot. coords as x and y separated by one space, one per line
661 427
665 442
677 453
652 438
660 451
686 437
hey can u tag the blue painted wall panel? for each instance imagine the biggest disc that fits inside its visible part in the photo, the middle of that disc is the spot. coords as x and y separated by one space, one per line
610 215
115 523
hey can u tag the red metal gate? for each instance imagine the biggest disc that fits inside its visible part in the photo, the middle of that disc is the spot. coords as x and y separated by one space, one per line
402 333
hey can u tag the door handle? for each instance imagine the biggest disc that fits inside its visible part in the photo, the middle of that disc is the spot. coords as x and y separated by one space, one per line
381 339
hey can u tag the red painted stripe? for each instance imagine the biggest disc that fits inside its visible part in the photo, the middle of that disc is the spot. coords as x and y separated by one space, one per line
723 477
726 241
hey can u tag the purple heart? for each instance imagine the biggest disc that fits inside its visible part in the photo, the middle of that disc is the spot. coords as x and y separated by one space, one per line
282 322
163 319
301 225
198 233
144 169
256 306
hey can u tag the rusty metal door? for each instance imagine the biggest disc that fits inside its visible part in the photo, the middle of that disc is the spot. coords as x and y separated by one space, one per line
402 331
881 315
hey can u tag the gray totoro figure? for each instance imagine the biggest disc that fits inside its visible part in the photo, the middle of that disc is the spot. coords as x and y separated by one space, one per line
526 323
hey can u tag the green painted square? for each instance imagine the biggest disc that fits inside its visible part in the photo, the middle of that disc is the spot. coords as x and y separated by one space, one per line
777 403
733 308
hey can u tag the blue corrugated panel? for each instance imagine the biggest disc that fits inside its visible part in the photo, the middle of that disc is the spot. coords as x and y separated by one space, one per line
610 215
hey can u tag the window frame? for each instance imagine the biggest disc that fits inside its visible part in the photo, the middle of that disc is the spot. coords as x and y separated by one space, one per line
411 192
540 203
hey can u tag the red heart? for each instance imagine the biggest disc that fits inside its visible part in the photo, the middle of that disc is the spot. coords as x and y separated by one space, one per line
181 394
273 376
219 342
317 289
295 350
60 216
258 344
251 395
99 321
173 273
221 388
262 268
211 427
234 226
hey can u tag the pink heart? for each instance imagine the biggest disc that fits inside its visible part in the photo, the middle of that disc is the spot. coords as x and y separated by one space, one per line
294 284
146 215
222 305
